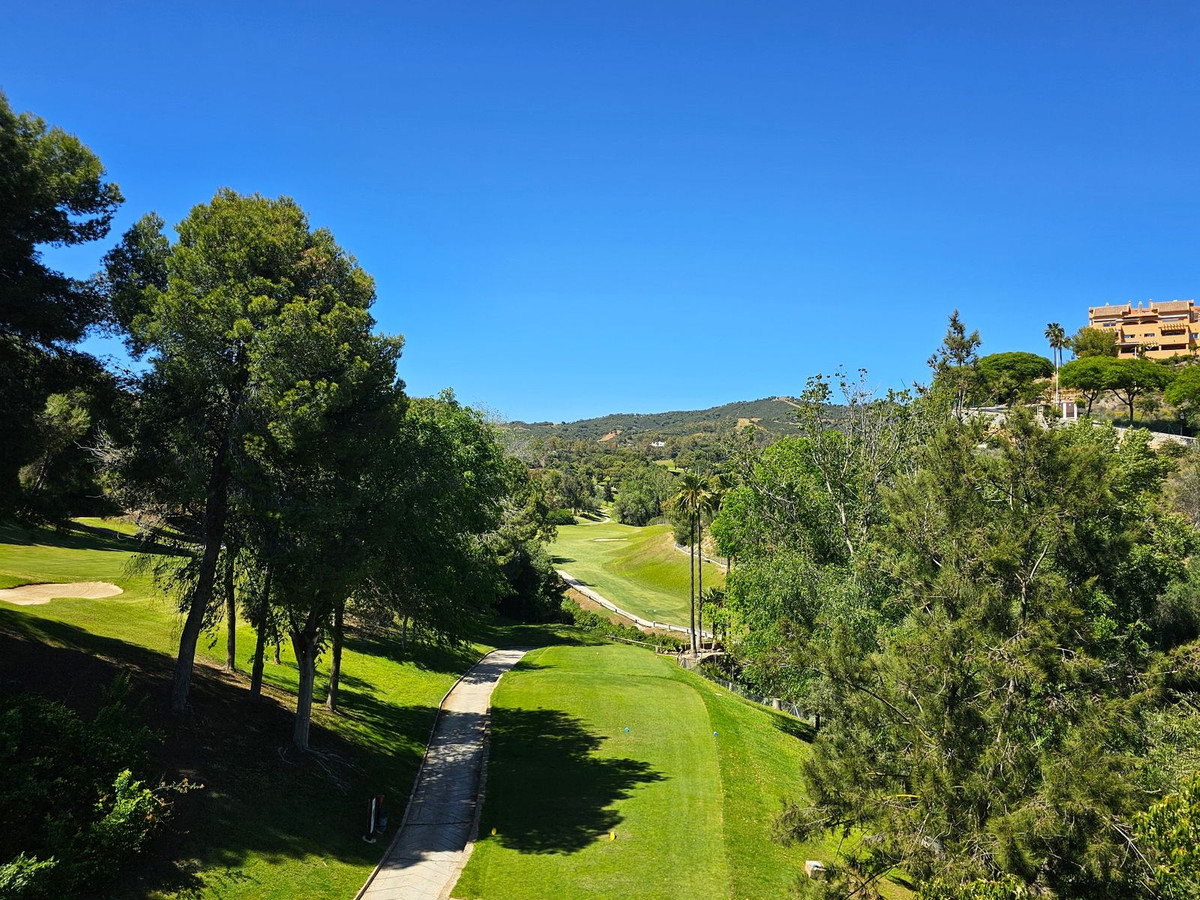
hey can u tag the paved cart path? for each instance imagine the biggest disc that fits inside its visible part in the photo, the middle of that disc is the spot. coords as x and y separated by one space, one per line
428 852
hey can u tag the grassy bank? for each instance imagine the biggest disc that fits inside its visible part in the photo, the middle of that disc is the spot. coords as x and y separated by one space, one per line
269 823
638 569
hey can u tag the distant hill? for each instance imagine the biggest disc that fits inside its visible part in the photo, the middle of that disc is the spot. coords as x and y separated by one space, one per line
774 415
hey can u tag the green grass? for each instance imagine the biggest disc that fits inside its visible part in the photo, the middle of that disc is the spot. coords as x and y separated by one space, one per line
692 812
638 569
269 823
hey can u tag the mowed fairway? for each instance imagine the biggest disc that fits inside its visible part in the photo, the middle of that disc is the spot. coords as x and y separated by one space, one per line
691 811
638 569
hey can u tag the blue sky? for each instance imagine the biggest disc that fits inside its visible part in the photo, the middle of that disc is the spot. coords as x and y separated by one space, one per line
579 208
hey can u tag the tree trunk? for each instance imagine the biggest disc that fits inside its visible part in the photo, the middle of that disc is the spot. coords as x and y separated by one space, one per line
278 661
335 664
216 508
692 579
260 644
304 642
230 611
700 581
256 671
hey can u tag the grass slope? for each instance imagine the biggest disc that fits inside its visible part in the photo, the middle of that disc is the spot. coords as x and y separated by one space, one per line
638 569
691 811
269 823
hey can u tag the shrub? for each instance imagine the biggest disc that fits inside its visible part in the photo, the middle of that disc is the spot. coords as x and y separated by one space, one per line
598 624
72 808
560 517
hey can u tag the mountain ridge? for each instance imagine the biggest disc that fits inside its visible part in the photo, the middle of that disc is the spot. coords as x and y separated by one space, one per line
775 415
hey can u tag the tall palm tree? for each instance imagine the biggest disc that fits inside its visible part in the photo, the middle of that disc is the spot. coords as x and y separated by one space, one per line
1057 337
689 498
710 505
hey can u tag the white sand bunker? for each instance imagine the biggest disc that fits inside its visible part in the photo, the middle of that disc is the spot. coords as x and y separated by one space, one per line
609 540
36 594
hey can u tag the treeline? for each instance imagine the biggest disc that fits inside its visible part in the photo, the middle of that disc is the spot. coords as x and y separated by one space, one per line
267 448
642 430
997 626
1167 392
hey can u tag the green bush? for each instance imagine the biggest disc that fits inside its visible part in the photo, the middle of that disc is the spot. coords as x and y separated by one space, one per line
72 808
599 624
560 517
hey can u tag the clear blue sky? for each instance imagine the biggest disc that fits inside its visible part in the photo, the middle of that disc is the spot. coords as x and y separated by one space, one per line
579 208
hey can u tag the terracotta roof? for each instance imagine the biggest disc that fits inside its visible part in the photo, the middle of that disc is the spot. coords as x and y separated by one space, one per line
1170 306
1099 311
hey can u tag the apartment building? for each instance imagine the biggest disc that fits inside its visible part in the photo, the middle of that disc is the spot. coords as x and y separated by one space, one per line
1155 331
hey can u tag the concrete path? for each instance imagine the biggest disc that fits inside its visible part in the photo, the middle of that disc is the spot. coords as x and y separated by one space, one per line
426 855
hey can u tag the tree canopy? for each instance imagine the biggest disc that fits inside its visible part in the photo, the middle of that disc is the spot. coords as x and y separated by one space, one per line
1014 377
55 194
1092 342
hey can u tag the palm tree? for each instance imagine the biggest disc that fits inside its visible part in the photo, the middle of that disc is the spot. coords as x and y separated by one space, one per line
710 505
689 498
1058 340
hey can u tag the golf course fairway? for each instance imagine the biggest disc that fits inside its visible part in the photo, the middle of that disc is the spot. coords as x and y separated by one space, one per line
638 569
678 806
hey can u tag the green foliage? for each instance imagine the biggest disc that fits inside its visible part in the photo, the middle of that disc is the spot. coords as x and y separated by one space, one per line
26 876
1169 833
436 563
1184 393
1088 376
992 734
598 623
560 517
643 494
1007 378
74 812
1126 379
955 364
54 194
1088 343
679 430
61 424
800 522
1007 887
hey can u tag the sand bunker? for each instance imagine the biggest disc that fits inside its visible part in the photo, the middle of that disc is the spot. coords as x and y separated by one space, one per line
36 594
608 540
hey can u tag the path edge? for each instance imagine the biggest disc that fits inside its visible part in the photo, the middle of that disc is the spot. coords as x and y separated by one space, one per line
480 797
417 778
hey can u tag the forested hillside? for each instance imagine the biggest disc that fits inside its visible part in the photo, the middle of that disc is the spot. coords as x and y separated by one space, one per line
774 415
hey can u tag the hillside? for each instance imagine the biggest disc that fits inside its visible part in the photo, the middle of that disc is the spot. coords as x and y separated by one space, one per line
774 415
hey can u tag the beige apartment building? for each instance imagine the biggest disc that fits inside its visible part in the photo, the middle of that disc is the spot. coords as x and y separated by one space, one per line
1155 331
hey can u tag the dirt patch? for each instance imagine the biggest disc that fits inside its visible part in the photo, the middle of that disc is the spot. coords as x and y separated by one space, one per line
608 437
745 423
587 603
37 594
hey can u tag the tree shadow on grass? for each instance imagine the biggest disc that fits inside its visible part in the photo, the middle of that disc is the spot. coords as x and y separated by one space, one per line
77 536
547 791
795 727
441 658
262 800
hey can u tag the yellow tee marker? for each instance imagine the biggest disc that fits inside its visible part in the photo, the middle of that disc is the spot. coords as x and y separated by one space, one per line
493 832
612 835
